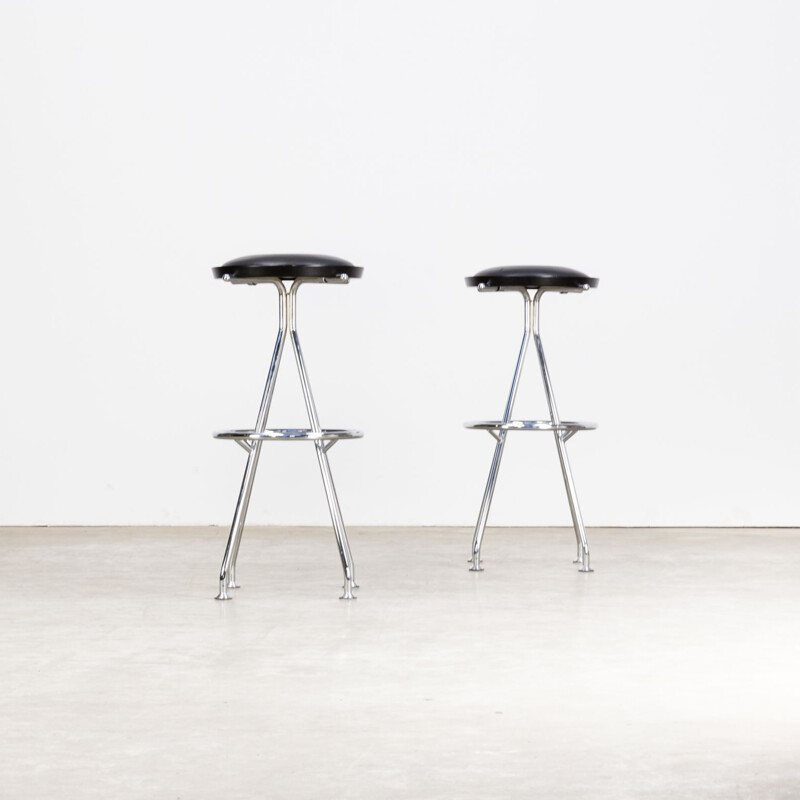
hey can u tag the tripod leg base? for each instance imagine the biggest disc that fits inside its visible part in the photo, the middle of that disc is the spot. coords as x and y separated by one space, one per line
223 592
477 563
232 584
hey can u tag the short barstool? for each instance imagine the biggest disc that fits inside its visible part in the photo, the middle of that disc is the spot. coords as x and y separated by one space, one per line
526 280
287 273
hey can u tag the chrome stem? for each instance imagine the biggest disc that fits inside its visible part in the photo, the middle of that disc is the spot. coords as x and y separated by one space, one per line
227 575
322 454
483 515
561 446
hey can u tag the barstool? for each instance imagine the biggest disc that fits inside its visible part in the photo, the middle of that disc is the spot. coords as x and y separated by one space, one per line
280 270
524 280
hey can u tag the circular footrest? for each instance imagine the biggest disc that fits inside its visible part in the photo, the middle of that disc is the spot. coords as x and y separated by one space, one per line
531 425
289 434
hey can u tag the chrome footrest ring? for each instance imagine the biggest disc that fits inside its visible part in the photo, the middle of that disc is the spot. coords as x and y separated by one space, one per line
289 434
531 425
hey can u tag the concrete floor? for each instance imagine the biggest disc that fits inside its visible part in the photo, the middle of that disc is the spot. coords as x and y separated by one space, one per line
671 672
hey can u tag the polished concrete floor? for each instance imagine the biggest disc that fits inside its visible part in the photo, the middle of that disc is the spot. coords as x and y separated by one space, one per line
673 671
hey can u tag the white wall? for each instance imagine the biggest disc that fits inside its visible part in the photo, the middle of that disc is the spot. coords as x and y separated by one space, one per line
654 145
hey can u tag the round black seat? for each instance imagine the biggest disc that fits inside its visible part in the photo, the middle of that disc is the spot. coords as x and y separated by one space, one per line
285 267
532 278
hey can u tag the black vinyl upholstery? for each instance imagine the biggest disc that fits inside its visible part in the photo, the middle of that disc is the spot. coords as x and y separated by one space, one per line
286 267
532 278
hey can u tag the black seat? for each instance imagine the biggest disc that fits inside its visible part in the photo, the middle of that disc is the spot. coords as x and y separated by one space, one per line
532 277
286 267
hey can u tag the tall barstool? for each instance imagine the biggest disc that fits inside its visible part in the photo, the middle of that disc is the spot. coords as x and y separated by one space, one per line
525 280
280 270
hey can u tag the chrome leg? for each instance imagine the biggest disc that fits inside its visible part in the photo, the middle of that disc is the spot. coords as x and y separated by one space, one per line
227 574
574 508
322 455
227 570
483 515
566 470
338 524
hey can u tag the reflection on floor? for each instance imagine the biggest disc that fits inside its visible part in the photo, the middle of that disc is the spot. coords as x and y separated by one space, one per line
670 672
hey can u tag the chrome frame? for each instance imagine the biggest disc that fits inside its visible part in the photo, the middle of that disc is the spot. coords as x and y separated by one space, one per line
251 441
562 430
